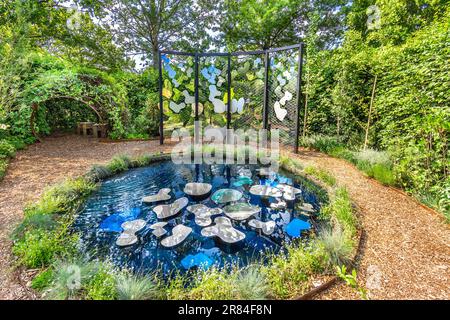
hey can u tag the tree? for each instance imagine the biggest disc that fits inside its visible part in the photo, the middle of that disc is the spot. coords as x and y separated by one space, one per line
262 24
145 26
63 30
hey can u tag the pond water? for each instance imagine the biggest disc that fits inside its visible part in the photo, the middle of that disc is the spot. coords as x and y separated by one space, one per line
122 196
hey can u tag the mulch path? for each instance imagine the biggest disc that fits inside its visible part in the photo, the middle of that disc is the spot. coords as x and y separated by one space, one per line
406 249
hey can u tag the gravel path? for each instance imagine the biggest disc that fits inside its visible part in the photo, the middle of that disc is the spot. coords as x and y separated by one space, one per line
406 252
406 247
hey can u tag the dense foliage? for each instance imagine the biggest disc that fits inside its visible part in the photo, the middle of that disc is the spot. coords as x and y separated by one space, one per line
410 117
375 77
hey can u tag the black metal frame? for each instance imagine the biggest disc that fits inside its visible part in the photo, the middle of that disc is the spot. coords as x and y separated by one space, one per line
197 55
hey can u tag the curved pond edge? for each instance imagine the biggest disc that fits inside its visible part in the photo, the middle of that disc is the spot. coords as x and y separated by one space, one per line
123 163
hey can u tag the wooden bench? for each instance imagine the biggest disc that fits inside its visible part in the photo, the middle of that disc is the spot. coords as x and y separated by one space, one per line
96 130
100 130
85 128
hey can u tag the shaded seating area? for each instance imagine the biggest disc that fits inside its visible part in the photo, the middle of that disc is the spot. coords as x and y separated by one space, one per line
91 129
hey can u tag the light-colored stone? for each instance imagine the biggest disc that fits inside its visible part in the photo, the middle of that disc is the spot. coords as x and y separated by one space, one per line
289 192
159 232
165 211
307 207
158 229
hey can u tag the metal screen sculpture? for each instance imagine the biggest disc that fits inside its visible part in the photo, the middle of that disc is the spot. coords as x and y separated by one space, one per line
239 90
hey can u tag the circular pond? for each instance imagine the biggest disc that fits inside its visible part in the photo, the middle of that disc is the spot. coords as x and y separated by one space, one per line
242 226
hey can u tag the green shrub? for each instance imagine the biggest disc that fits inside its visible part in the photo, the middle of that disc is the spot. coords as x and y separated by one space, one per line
141 161
102 285
132 287
212 284
341 209
384 174
372 157
287 275
33 221
17 143
3 167
7 150
43 280
322 175
119 164
99 172
322 143
38 248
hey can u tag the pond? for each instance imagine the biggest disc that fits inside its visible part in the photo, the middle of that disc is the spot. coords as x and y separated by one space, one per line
243 227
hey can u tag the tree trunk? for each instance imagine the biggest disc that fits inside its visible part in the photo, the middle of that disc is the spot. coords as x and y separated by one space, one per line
305 116
155 57
366 139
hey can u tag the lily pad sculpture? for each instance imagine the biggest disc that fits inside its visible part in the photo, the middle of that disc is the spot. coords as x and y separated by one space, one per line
266 227
126 239
165 211
223 229
113 222
241 211
306 207
133 226
289 192
199 260
158 229
226 195
128 236
203 214
179 233
278 205
242 180
197 189
296 226
162 195
265 191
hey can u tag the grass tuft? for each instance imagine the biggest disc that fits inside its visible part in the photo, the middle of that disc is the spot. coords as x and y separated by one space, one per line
322 175
132 287
251 284
337 245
